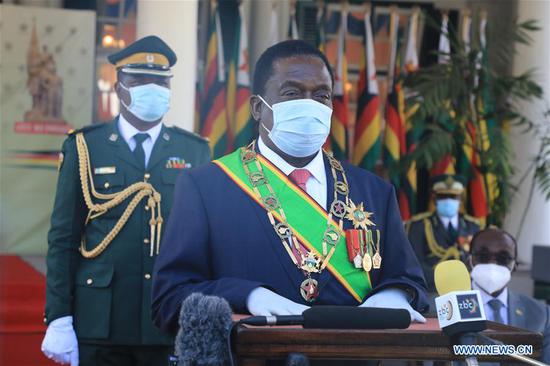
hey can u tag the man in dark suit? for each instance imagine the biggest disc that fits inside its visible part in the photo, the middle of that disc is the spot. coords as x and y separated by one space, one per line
280 225
444 233
492 260
115 188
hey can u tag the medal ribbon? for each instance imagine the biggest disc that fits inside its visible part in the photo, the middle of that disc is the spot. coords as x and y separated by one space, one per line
306 218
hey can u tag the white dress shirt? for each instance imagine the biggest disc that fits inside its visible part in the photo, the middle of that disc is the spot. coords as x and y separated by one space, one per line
452 220
316 185
485 297
127 131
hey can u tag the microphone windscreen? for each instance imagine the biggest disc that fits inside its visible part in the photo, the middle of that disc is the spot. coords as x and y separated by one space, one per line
451 275
204 328
354 317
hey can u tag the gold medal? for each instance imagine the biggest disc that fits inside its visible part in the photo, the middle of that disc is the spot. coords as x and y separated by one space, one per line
367 262
376 260
309 289
358 216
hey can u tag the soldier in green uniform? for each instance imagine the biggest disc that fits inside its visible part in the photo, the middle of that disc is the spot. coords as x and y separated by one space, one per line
114 192
445 233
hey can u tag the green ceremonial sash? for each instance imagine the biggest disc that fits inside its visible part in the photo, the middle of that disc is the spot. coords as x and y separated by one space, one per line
305 217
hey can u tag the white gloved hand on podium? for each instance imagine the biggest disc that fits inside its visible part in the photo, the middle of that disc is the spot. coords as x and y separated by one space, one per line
264 302
393 298
60 343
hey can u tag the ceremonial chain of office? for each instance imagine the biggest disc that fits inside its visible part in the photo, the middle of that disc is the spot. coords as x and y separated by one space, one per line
341 207
140 189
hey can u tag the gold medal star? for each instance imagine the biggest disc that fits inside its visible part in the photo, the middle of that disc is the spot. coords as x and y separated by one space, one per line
358 216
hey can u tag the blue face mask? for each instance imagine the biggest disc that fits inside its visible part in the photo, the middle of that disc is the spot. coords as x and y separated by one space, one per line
447 207
148 102
300 126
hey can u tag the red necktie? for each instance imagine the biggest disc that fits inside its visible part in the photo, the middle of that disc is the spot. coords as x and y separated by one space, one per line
300 176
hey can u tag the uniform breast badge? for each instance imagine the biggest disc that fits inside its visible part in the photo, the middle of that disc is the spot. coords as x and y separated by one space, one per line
175 162
363 244
105 170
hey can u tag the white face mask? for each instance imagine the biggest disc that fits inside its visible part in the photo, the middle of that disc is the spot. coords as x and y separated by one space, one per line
491 277
300 126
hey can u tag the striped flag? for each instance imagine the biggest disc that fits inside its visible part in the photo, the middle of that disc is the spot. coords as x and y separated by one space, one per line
395 143
339 125
485 106
238 87
214 122
469 158
409 182
368 141
447 164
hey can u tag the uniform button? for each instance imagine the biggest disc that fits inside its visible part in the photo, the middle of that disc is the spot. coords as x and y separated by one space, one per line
147 176
147 276
106 185
146 208
145 241
45 320
89 281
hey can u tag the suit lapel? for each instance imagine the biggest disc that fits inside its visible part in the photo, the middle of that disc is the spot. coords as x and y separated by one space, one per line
330 182
163 142
516 311
122 149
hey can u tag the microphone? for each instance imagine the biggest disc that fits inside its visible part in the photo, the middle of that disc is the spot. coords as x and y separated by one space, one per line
338 317
459 308
204 326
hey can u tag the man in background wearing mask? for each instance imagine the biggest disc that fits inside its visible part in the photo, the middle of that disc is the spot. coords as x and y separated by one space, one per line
492 260
114 191
445 233
279 225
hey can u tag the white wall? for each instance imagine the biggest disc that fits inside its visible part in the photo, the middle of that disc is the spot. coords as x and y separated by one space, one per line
175 21
536 229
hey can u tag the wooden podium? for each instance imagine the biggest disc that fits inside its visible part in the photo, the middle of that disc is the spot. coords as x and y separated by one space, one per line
255 345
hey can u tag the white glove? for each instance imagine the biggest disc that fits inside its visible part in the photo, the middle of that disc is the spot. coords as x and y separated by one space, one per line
264 302
60 342
393 298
